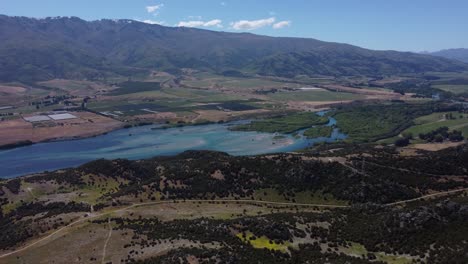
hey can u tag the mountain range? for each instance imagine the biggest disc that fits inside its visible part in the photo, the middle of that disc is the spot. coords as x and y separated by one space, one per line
69 47
454 54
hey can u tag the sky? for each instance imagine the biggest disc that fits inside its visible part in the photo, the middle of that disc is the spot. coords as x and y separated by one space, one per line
405 25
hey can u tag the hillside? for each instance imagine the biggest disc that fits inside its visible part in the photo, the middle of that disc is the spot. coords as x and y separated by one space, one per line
209 207
72 48
453 54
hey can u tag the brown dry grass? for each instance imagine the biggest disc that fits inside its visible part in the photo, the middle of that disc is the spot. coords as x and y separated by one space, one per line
436 146
314 106
12 89
77 88
86 125
370 94
218 115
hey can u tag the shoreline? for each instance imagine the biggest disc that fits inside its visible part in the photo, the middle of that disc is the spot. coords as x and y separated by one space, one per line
25 143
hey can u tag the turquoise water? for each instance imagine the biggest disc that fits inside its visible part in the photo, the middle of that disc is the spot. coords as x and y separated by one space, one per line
145 142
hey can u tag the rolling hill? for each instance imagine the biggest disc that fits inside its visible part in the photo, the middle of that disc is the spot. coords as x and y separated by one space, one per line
69 47
453 54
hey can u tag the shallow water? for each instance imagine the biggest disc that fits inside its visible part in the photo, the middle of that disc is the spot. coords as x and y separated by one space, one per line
145 142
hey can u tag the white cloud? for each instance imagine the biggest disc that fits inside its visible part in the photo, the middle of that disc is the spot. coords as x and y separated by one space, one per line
153 22
213 23
154 8
281 24
252 24
199 23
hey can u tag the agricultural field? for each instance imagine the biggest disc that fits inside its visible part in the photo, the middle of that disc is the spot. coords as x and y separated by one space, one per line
456 89
86 124
191 98
130 87
428 123
214 81
78 88
284 124
314 95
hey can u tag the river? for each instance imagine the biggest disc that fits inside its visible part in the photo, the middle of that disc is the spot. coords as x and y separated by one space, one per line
145 142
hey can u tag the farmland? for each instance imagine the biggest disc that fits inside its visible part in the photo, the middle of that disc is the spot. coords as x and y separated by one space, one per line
434 121
456 89
283 124
197 97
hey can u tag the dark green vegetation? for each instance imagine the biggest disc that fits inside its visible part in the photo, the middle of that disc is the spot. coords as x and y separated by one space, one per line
16 145
441 134
427 233
318 131
16 230
135 87
283 124
43 49
368 123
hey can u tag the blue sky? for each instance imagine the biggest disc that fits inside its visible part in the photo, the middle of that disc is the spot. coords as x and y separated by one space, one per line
409 25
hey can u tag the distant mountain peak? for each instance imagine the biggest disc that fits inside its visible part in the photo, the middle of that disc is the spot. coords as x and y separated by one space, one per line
460 54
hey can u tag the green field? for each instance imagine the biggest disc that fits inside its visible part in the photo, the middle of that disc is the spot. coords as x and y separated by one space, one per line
284 124
314 95
263 242
456 89
376 122
135 87
428 123
236 83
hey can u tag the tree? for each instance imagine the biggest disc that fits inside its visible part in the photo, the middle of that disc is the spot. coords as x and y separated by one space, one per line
438 138
402 142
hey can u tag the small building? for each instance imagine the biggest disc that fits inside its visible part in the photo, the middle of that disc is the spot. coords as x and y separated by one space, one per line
63 116
37 118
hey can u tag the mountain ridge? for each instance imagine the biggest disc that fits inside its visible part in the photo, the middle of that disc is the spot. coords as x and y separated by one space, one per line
460 54
69 47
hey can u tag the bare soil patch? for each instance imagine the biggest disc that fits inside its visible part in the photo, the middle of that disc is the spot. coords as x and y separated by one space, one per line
86 125
12 89
436 146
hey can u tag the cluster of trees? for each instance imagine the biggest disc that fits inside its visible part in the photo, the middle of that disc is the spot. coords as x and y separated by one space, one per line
187 176
387 178
279 228
426 229
13 185
307 253
422 172
441 134
420 87
430 232
369 123
19 225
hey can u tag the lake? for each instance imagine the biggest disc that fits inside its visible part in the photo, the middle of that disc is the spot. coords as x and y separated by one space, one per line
145 142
